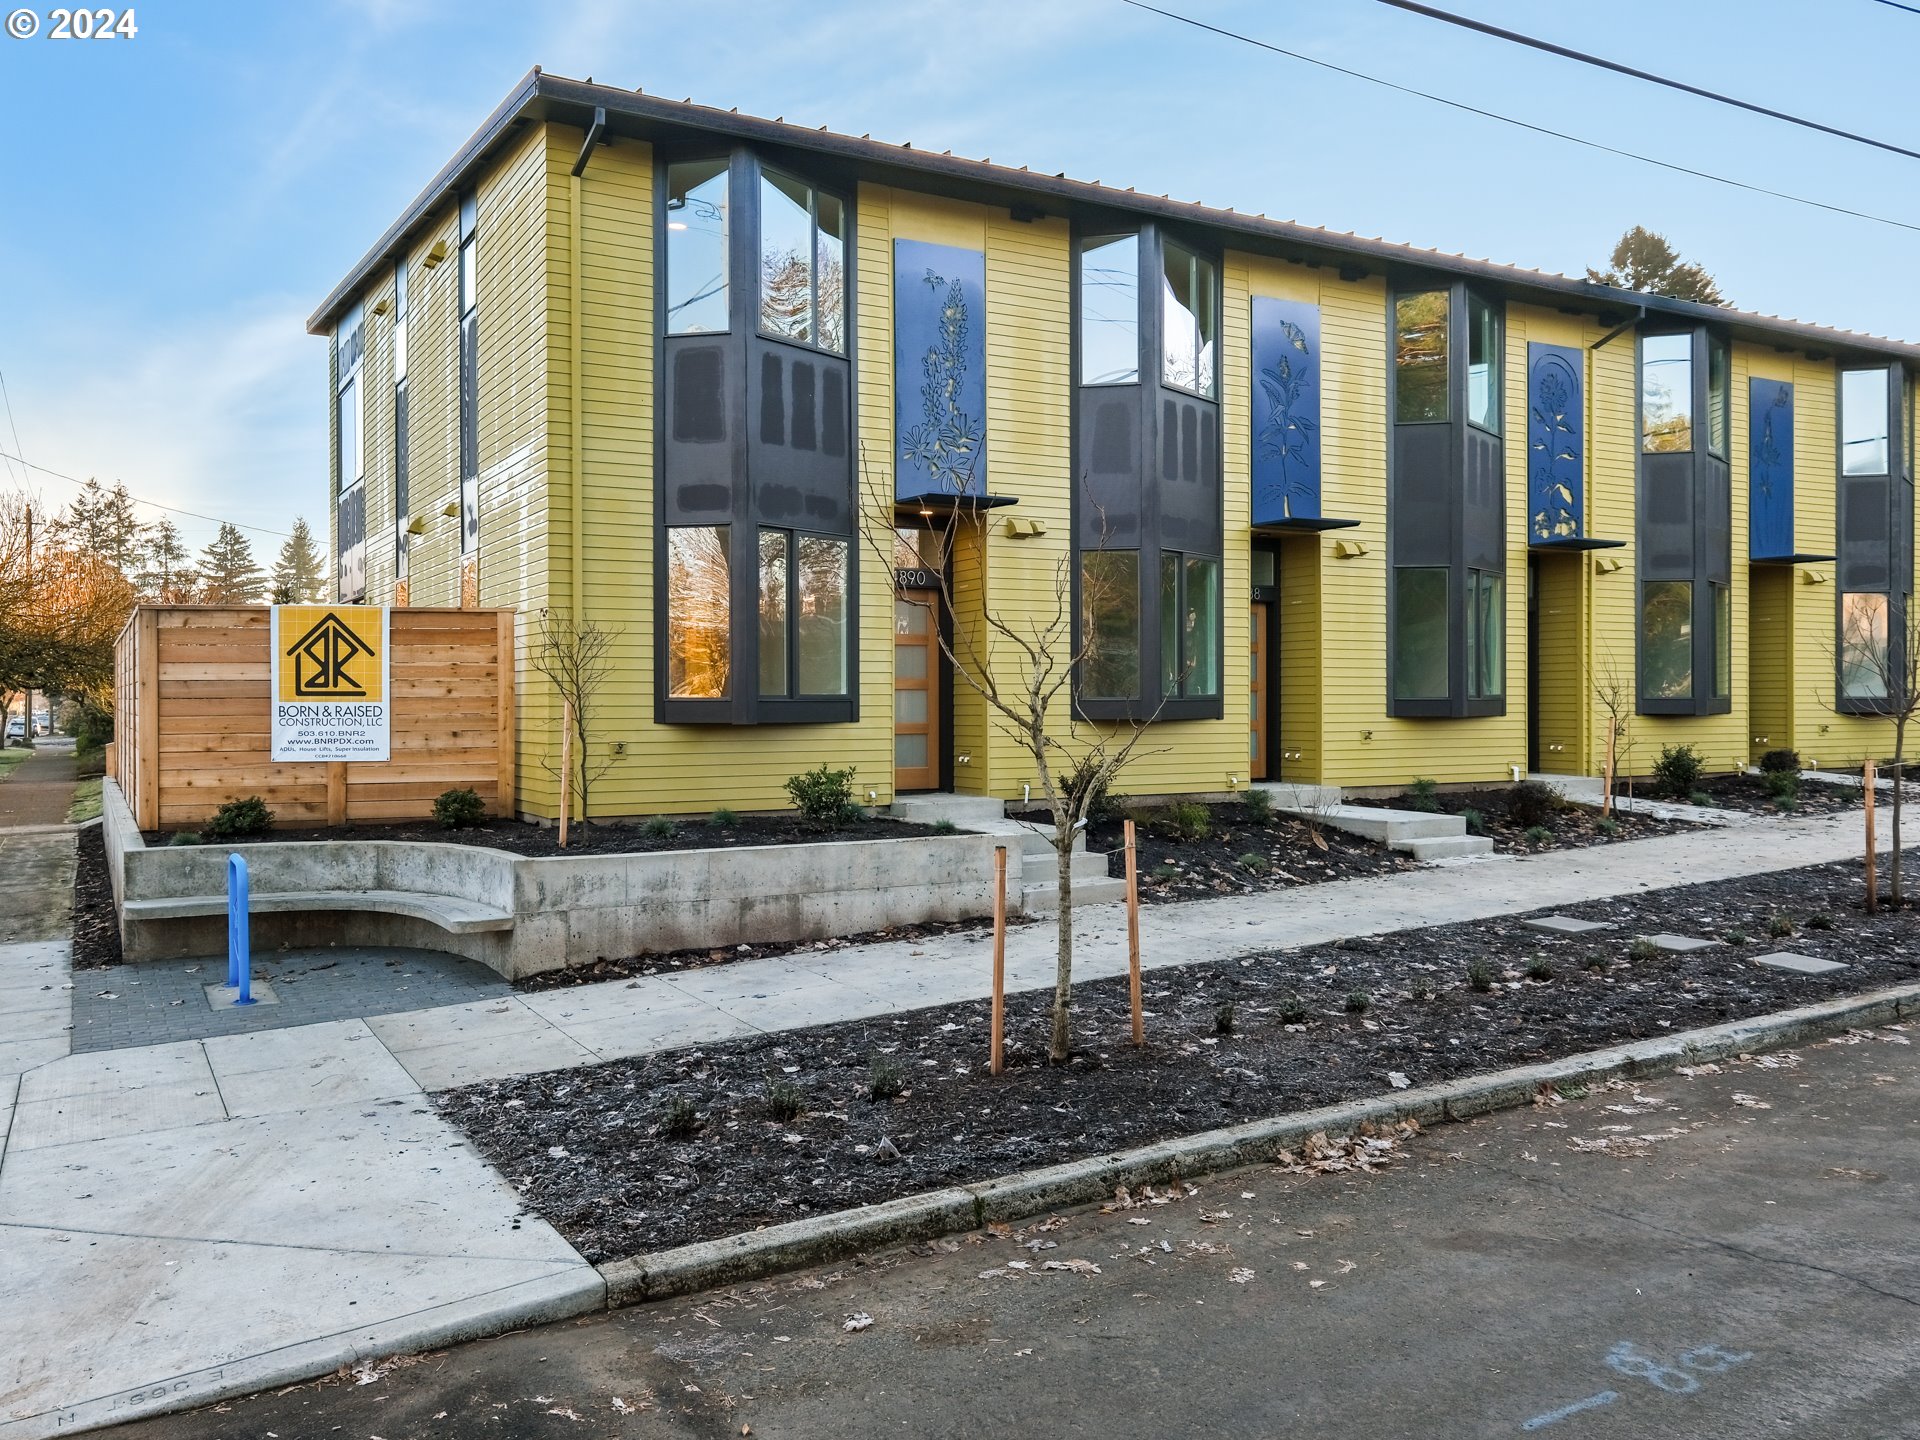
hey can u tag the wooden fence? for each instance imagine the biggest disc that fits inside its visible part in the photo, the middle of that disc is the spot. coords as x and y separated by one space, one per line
192 703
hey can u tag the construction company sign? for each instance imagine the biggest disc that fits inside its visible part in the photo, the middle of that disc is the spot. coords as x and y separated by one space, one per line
332 696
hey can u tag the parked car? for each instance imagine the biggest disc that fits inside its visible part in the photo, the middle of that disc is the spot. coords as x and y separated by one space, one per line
17 728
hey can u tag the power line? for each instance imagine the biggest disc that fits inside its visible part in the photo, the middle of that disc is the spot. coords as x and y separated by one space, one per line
175 509
1910 9
1525 124
4 395
1531 42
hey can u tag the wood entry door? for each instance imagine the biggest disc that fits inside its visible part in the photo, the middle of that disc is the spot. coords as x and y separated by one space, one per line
916 690
1258 717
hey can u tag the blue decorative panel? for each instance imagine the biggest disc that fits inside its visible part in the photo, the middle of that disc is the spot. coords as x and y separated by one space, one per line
1556 443
1286 410
1769 469
939 369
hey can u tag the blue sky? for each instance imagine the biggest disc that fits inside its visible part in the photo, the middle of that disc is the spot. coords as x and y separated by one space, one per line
172 207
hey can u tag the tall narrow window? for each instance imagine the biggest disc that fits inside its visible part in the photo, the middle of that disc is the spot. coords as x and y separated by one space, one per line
1719 387
1863 422
1666 640
1722 640
1420 648
1110 605
821 630
1486 635
1420 349
1865 660
402 498
1666 394
697 247
774 545
1110 311
1483 364
699 612
469 378
802 263
1187 306
1200 627
350 496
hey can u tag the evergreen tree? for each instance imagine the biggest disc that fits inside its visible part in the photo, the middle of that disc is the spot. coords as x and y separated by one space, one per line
1645 262
299 576
165 573
228 575
102 523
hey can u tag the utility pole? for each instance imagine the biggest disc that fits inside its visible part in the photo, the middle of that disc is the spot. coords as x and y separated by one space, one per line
27 729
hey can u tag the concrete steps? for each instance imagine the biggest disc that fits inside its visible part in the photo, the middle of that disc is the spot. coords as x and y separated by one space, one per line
969 812
1413 832
1040 887
1031 869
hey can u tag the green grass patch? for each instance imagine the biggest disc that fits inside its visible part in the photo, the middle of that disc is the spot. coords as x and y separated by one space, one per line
11 759
86 802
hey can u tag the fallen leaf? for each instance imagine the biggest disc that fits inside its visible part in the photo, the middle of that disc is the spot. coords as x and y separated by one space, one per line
1078 1267
1239 1276
1750 1102
857 1322
1397 1080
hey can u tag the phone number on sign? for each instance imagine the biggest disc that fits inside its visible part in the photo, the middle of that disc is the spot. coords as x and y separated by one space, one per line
24 24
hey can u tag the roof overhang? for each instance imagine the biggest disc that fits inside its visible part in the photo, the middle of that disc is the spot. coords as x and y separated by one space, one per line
631 115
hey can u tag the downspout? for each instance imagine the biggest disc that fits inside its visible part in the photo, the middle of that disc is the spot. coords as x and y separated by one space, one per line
1589 706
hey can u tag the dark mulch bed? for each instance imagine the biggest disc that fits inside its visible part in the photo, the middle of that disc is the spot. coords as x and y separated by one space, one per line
613 837
1218 863
675 961
1570 825
96 930
1748 793
586 1148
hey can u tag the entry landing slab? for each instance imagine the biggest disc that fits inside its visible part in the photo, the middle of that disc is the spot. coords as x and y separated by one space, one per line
1679 944
1565 925
1798 964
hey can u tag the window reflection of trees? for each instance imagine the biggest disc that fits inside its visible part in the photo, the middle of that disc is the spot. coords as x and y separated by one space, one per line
699 580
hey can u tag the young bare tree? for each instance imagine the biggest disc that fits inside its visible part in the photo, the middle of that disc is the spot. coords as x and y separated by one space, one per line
1024 667
1878 664
1616 707
574 656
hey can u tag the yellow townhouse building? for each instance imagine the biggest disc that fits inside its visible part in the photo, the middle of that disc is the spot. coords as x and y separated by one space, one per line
753 398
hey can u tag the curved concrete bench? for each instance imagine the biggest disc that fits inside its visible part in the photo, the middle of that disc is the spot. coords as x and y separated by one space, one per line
451 913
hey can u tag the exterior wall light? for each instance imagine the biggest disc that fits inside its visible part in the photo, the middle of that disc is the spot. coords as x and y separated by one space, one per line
435 255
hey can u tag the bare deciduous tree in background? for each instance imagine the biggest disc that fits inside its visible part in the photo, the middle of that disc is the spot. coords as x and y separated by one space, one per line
574 656
1024 667
1616 705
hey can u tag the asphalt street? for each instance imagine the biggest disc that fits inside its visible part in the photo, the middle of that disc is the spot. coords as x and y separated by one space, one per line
1727 1254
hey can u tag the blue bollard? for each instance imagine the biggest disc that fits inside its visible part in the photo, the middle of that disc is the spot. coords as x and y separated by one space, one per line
239 945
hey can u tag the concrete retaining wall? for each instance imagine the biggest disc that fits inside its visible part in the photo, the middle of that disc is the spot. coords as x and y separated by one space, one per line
565 909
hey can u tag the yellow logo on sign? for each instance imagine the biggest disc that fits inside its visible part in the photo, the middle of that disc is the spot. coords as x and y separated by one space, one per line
334 653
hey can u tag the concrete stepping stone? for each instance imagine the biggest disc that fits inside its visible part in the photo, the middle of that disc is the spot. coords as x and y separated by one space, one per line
1798 964
1565 925
1679 944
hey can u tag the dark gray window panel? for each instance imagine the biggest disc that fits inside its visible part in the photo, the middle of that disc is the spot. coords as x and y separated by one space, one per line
755 434
1684 526
1148 468
1874 532
1446 499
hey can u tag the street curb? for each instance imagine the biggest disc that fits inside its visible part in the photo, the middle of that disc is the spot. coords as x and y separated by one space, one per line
737 1258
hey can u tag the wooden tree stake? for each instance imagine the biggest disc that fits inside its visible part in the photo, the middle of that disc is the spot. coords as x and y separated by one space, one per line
566 767
1606 797
998 1053
1133 938
1873 889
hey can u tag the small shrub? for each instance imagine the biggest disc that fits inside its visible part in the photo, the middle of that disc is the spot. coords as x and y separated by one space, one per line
1358 1002
1781 784
1700 798
1101 805
1595 963
1678 771
824 796
1537 836
1820 920
1292 1010
785 1101
1573 1090
1787 804
1254 863
458 809
680 1120
1166 872
1607 826
1425 795
1781 762
1259 806
239 818
945 827
1539 968
723 819
1480 976
1643 949
1223 1019
885 1079
1780 926
1532 803
1422 988
1476 822
1183 821
658 827
185 837
1736 937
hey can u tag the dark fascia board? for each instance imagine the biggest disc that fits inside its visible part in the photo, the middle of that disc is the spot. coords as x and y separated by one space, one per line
632 115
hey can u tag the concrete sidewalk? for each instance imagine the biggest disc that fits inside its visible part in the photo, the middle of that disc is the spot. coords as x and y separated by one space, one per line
40 789
184 1221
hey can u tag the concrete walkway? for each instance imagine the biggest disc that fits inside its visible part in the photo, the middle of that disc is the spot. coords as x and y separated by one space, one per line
39 791
184 1221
